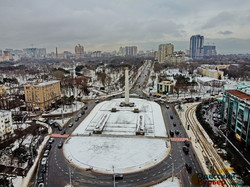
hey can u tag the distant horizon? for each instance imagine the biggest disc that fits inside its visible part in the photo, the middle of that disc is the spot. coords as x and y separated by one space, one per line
178 45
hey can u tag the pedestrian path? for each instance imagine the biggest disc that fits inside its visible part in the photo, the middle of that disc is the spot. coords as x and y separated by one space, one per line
60 135
178 139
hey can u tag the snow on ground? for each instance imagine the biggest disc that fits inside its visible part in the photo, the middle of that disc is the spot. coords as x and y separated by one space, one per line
68 109
118 144
125 121
126 154
169 183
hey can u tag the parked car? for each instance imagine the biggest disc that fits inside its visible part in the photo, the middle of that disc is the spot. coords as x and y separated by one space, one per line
177 132
55 124
83 112
43 168
46 153
63 132
171 117
48 147
51 140
85 108
40 178
174 124
44 161
97 101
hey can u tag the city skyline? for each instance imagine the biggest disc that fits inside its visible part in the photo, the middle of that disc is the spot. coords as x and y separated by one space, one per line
107 25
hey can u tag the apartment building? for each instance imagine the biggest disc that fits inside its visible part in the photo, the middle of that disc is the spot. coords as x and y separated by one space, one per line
6 124
40 96
236 111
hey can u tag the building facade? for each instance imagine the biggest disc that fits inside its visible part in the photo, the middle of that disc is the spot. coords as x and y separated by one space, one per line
212 73
2 89
6 124
236 111
165 87
196 47
79 51
209 50
165 51
40 96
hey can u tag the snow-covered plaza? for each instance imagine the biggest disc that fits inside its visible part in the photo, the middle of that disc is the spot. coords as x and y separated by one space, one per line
118 149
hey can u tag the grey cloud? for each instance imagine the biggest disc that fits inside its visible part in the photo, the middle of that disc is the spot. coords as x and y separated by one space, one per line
225 32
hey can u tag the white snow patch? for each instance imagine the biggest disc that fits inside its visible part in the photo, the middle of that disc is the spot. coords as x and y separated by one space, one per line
126 154
169 183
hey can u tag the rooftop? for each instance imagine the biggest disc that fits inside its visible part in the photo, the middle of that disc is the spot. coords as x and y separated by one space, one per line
239 94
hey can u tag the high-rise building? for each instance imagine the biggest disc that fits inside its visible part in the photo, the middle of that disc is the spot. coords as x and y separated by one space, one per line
130 51
40 96
209 50
165 50
196 47
236 111
79 51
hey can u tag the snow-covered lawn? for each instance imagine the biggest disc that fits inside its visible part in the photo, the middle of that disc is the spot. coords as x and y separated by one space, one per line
126 154
125 121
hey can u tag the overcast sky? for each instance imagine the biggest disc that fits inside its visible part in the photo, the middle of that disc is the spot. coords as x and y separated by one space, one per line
108 24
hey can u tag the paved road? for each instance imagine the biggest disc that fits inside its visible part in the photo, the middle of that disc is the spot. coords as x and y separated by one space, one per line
59 169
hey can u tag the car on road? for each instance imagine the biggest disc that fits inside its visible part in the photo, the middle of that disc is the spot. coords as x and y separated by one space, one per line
177 132
83 112
51 140
40 178
77 118
46 153
188 168
174 124
97 101
186 142
60 145
117 176
63 132
44 161
171 117
71 124
185 149
171 133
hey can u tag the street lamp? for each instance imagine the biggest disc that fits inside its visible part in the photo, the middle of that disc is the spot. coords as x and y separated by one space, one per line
172 172
114 174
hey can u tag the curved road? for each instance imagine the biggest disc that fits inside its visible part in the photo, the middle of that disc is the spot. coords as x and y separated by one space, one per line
60 173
